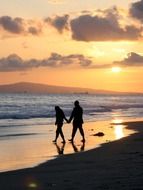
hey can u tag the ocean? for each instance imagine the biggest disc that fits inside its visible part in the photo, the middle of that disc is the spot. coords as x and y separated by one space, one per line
15 107
27 123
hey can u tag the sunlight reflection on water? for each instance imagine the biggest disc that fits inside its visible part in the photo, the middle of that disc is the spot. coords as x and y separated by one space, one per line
118 128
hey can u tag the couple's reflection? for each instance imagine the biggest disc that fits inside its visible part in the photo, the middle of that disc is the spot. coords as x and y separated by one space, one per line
81 148
61 147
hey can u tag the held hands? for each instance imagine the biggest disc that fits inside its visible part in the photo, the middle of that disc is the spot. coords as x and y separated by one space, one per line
68 121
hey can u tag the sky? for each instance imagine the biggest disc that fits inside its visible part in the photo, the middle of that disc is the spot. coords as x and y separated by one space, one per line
91 44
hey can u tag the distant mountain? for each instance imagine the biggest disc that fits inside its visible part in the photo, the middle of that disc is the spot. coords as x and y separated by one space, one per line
26 87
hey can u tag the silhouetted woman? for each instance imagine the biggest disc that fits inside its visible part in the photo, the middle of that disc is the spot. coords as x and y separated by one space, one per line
60 117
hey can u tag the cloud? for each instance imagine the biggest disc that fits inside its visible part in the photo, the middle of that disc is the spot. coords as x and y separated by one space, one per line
33 30
104 27
136 10
97 25
59 22
12 25
15 63
20 26
11 63
100 25
133 59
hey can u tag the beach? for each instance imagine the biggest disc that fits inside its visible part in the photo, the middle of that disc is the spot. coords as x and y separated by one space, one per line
114 165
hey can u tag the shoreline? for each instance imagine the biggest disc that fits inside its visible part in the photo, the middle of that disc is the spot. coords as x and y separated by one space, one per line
114 165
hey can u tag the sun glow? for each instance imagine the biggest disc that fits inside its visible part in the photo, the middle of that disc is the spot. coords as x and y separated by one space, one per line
116 69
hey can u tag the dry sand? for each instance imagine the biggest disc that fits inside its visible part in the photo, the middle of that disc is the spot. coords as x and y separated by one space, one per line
115 165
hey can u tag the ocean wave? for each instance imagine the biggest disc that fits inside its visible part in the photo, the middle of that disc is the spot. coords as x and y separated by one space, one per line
18 134
9 106
22 116
38 106
87 111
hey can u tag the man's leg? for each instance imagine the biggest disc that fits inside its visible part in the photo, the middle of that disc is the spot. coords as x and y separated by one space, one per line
73 132
81 132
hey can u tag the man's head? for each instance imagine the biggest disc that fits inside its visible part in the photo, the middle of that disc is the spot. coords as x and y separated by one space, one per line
76 103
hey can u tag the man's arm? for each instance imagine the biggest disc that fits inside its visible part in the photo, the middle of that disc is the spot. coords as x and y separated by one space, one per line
71 117
65 118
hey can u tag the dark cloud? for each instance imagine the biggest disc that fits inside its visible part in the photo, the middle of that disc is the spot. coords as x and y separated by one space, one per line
106 28
11 63
20 26
12 25
99 25
136 10
133 59
33 30
59 22
15 63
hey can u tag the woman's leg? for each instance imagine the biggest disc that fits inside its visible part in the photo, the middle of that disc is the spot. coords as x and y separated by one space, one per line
57 133
61 132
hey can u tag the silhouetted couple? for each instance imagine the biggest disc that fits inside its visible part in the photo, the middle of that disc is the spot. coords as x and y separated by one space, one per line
76 116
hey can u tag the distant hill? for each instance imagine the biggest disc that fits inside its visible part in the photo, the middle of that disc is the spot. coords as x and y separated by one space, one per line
26 87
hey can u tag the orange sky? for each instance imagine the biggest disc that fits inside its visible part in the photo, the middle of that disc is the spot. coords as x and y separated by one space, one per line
73 44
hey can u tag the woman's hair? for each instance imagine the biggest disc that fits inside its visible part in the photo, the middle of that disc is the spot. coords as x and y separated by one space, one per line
57 108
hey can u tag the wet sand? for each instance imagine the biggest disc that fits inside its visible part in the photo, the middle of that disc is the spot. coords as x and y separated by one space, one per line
32 145
114 165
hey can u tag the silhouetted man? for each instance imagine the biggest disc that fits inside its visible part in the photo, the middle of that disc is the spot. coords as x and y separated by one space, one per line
76 116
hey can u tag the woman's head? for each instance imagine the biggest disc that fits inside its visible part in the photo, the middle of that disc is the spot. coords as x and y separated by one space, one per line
57 108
